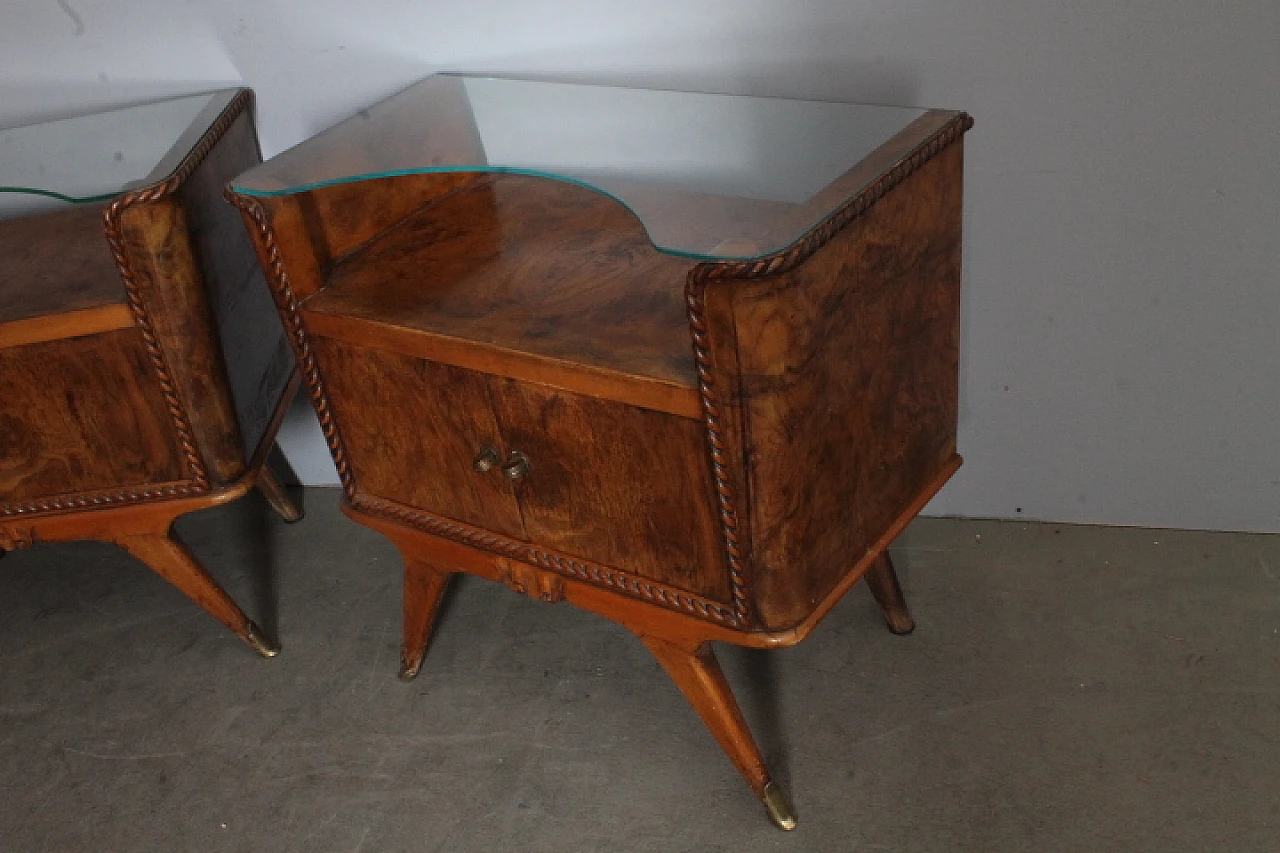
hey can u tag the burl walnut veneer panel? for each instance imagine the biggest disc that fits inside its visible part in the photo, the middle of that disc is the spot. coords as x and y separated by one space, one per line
616 485
430 465
113 432
531 267
847 387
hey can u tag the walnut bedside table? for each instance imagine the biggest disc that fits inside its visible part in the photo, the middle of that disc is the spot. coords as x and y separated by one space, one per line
143 373
687 361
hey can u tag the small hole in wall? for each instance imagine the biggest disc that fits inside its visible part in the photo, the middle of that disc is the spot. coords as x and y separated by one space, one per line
1019 509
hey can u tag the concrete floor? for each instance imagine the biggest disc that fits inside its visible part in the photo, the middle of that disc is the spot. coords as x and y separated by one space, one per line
1068 689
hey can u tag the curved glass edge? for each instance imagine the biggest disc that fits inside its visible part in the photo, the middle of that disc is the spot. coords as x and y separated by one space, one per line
709 177
492 170
799 235
21 200
89 199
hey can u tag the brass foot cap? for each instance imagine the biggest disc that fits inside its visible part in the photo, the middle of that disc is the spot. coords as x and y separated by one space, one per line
775 803
259 642
407 672
899 621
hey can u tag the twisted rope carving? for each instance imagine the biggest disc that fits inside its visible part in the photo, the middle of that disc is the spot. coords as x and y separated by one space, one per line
296 332
628 584
115 239
788 259
102 499
111 219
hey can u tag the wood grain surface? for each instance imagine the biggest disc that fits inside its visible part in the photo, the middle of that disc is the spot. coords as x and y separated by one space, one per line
699 451
847 383
413 430
616 485
82 415
515 266
112 431
55 263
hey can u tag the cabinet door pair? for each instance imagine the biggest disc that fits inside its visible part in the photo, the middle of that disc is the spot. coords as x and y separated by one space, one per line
610 484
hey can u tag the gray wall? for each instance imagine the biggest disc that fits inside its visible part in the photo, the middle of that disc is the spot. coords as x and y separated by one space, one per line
1123 197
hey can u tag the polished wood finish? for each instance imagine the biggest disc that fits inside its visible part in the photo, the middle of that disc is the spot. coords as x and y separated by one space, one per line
113 431
517 291
846 369
694 668
431 466
424 587
119 408
274 493
484 364
617 485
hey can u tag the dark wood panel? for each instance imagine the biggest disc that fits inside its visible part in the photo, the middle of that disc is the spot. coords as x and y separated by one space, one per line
56 263
848 385
516 264
101 425
249 339
412 430
616 485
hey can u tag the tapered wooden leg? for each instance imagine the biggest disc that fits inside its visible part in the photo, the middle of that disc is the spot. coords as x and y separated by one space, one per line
695 670
883 581
277 496
170 559
424 586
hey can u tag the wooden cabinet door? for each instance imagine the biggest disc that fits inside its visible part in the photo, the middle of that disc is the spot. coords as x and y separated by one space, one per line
412 430
615 485
611 484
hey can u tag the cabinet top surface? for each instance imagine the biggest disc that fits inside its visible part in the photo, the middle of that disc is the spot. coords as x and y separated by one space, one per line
714 177
93 158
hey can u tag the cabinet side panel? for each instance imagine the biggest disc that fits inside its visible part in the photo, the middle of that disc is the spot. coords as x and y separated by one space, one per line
250 341
161 262
412 430
82 415
617 485
849 387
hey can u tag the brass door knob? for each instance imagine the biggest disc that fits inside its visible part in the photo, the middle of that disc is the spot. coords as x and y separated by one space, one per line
516 466
487 458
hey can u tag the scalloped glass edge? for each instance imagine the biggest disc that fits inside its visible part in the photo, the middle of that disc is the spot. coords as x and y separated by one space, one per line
747 176
566 179
512 170
166 161
70 199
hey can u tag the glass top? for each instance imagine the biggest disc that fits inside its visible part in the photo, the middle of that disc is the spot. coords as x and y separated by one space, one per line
96 157
709 176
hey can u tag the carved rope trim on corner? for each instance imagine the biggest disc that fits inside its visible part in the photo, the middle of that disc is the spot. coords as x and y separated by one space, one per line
631 585
295 330
115 238
199 482
790 258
